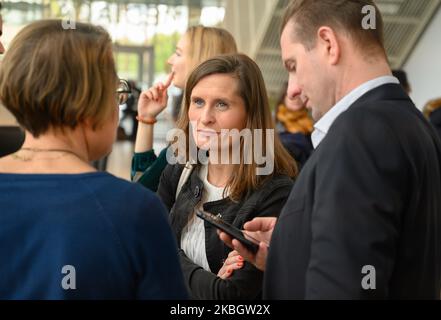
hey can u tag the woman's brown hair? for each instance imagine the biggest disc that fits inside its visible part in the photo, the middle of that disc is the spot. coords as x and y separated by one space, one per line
251 88
52 78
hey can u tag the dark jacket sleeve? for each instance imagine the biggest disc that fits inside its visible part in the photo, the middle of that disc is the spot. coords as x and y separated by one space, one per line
168 184
355 219
245 283
147 168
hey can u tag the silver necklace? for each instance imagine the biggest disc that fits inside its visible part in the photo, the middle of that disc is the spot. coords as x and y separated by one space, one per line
29 158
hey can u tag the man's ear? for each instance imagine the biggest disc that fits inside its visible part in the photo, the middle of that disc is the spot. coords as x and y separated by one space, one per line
330 44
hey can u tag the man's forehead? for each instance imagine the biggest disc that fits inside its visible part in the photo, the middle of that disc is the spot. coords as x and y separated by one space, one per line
289 48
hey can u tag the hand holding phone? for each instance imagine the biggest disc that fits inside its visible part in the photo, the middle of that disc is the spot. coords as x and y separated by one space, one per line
248 241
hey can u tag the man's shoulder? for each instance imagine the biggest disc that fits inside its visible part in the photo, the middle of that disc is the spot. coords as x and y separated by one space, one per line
388 101
381 115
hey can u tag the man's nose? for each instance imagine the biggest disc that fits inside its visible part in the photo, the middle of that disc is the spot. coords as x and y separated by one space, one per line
294 90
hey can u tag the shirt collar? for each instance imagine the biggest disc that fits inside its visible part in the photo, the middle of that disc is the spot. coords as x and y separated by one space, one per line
321 128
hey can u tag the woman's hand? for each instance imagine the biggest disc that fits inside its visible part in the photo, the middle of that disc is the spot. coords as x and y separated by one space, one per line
233 262
154 100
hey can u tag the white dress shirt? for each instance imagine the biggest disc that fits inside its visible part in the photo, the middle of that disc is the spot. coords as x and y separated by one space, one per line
321 128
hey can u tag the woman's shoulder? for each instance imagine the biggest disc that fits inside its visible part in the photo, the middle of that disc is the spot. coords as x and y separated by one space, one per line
124 201
277 181
274 187
172 172
117 187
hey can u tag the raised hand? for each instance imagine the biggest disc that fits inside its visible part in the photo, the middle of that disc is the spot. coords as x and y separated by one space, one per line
152 101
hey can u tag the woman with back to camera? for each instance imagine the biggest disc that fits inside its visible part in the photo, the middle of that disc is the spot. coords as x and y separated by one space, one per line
195 46
223 95
67 231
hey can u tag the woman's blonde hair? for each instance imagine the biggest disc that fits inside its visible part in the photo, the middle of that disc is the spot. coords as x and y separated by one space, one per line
207 42
52 78
251 88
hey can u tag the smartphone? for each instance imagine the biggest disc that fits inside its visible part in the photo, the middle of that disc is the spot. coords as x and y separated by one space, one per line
249 242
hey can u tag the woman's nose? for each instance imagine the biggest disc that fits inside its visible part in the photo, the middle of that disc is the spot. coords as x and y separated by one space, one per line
207 116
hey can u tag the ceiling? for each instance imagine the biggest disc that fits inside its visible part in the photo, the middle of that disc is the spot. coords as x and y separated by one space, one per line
255 25
26 5
404 23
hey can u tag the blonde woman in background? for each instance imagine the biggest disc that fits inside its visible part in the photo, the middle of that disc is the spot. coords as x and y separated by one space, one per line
196 45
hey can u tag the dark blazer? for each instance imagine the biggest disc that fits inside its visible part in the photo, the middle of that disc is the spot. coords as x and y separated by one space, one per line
370 195
435 120
11 139
245 283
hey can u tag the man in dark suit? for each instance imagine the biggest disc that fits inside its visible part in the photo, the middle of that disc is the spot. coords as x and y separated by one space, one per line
363 220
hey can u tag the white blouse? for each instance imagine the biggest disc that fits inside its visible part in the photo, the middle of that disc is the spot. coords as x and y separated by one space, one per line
193 235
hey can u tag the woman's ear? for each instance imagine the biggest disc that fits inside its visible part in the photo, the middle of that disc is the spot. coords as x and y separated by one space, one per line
89 124
330 44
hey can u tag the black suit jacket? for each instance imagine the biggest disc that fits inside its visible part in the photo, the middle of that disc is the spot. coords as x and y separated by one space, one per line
370 195
11 139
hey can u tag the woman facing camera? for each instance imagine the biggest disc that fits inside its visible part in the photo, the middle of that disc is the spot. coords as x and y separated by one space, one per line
195 46
225 108
67 231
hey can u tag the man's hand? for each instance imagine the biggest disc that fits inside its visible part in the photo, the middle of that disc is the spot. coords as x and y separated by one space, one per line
260 229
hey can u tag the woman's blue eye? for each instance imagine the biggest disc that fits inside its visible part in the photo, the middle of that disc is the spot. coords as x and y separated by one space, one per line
198 102
222 105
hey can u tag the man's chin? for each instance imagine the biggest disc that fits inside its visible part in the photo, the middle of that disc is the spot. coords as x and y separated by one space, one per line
315 114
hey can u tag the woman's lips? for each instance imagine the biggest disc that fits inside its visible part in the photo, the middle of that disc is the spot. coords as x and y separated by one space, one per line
207 132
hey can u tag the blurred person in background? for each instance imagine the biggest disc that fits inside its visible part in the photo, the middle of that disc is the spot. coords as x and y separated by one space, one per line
295 126
11 137
432 111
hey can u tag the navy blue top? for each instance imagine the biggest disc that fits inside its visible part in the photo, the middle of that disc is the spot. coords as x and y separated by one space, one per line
84 236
